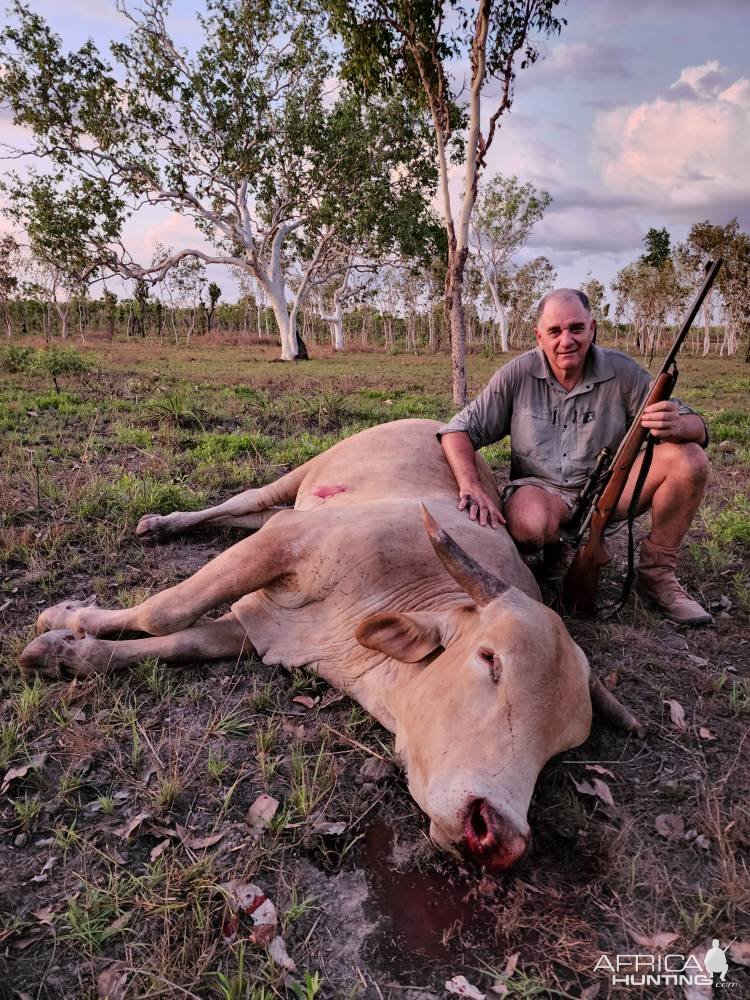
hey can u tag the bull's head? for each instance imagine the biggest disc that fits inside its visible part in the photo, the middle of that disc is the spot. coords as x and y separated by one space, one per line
503 689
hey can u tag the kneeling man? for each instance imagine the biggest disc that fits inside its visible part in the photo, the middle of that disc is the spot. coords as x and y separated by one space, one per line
562 403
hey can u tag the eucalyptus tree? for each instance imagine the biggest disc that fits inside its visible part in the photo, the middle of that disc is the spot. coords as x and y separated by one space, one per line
9 264
505 213
707 241
243 136
423 48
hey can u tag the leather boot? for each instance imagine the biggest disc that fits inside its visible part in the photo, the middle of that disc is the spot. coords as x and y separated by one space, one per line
656 581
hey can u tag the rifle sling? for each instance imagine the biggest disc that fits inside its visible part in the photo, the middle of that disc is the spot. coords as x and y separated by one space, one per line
635 500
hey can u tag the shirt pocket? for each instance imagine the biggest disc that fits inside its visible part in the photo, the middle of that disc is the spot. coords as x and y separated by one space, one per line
532 434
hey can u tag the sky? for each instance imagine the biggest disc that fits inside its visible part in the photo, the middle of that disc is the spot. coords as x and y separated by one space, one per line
638 115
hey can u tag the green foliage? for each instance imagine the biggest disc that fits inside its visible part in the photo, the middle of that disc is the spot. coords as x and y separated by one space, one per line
63 402
56 361
731 425
16 359
497 455
301 448
227 447
135 437
130 497
657 246
731 526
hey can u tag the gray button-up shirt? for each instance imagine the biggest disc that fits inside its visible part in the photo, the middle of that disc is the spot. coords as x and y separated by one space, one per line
556 435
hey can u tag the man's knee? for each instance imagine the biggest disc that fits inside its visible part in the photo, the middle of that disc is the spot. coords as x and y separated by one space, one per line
530 525
687 462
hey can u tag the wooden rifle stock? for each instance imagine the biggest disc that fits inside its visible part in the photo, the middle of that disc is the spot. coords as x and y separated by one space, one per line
582 579
581 582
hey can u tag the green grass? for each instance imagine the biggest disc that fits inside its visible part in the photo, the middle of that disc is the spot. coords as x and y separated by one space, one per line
215 447
128 497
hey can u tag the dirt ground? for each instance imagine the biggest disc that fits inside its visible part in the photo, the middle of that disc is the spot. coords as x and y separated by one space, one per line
125 799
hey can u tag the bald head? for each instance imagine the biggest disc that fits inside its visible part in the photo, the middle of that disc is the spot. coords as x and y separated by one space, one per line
560 295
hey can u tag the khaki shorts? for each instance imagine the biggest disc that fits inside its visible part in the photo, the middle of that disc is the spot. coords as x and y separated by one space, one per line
568 497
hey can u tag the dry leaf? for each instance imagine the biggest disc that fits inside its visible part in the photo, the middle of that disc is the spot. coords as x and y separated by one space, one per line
127 831
200 843
610 681
306 700
261 812
670 825
112 982
655 941
262 935
739 952
702 841
676 714
499 988
44 916
510 965
43 874
700 661
463 988
322 826
156 852
599 769
590 992
706 734
277 951
36 763
597 788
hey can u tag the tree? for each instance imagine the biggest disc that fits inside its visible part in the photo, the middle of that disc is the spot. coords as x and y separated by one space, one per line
650 297
658 249
708 241
9 262
214 294
421 48
526 286
241 137
596 293
505 213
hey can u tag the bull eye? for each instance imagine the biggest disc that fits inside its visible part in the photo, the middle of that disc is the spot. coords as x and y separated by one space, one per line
492 661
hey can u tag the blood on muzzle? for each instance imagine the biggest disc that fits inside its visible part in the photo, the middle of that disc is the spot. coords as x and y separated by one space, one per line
490 838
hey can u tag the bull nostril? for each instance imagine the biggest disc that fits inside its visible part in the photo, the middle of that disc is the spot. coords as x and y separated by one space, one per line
491 838
479 833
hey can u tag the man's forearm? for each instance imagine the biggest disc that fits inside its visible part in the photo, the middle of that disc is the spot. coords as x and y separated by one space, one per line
691 428
462 459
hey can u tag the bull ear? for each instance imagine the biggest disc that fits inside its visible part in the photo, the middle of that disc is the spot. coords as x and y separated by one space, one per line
408 638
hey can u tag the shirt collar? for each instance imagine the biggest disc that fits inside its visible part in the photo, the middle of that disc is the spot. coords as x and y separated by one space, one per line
598 367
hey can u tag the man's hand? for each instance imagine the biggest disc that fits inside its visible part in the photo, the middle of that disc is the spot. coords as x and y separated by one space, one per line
666 423
480 506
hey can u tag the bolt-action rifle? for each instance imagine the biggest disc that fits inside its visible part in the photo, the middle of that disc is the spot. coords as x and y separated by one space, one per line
598 498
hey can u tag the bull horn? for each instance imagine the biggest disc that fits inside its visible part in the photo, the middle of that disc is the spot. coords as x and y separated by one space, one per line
611 710
481 586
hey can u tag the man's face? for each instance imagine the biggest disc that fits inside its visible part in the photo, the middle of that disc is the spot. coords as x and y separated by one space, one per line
565 333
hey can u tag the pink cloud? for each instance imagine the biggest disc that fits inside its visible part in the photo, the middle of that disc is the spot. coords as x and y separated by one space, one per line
687 149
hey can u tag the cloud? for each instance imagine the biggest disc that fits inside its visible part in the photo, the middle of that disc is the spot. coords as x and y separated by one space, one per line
685 151
581 62
586 229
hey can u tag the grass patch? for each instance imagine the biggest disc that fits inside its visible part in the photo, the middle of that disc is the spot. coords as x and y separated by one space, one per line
129 497
216 447
731 425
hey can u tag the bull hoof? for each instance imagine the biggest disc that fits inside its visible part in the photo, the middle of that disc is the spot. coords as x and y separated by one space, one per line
59 654
62 616
154 528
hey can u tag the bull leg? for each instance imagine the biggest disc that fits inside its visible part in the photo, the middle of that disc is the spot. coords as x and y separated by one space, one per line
249 509
60 653
247 566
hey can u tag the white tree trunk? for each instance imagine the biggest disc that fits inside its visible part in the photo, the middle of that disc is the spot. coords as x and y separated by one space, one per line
287 324
502 312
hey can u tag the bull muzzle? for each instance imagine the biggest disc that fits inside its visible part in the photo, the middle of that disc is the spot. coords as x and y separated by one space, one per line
492 839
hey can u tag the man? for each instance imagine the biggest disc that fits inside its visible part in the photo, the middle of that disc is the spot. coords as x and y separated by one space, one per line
561 404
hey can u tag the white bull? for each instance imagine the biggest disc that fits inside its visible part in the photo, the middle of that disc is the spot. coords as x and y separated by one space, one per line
439 633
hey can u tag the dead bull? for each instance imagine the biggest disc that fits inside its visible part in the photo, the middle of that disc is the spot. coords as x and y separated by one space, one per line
440 634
